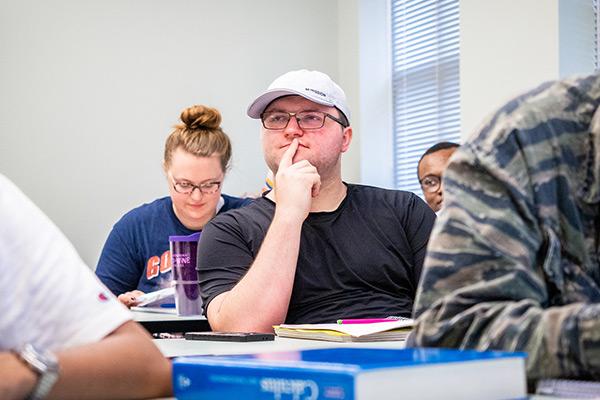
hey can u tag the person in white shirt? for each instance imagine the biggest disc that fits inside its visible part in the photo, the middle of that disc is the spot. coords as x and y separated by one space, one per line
62 333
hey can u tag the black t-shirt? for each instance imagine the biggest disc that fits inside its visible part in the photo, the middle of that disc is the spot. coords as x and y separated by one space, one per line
362 260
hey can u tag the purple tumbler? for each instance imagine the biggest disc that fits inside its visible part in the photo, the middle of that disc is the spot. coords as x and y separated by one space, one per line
185 277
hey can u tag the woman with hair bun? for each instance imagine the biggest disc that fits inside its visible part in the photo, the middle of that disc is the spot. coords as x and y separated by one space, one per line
136 257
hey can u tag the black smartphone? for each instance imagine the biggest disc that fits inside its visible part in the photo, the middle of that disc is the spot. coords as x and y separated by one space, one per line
230 336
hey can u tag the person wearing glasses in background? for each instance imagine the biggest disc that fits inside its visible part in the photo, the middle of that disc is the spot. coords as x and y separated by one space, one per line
314 249
430 169
136 257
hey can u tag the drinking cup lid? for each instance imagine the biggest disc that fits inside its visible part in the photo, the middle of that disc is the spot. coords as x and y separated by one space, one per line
190 238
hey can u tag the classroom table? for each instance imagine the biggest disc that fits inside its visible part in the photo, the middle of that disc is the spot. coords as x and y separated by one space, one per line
181 347
157 321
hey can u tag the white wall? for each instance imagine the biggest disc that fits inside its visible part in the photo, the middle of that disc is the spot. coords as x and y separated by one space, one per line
90 90
506 48
375 96
349 57
510 46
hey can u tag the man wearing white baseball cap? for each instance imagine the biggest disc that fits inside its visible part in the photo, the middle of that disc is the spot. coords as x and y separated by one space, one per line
314 249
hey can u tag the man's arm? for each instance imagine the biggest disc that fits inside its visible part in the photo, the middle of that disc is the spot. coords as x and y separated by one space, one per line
17 379
261 298
125 364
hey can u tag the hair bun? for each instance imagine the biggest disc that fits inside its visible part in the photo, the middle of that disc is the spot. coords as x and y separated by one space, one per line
201 117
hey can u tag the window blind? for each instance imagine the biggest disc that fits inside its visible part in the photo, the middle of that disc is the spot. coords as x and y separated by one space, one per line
425 79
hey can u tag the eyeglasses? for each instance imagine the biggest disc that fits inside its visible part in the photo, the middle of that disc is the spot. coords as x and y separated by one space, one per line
430 183
306 119
204 188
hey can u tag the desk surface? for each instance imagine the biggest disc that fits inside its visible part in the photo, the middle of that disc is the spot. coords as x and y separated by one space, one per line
168 315
182 347
155 322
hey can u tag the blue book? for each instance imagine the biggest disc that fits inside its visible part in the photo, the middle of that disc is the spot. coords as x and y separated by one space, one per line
353 373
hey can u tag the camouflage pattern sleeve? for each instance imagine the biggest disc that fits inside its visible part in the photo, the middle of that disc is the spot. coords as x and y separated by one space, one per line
512 263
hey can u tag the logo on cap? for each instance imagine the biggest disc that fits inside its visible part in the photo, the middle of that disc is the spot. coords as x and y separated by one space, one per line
316 91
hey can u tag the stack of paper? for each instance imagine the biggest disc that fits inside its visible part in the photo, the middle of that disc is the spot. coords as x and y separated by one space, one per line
161 301
566 388
152 298
373 332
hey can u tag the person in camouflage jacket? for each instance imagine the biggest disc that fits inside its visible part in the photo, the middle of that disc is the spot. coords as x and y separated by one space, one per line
512 262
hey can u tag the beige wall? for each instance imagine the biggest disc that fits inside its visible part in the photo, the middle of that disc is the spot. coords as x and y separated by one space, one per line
90 90
505 47
348 62
510 46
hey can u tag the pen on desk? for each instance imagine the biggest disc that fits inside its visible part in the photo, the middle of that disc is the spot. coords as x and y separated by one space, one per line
364 320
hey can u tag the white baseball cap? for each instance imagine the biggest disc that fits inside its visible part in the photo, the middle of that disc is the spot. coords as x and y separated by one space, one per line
312 85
